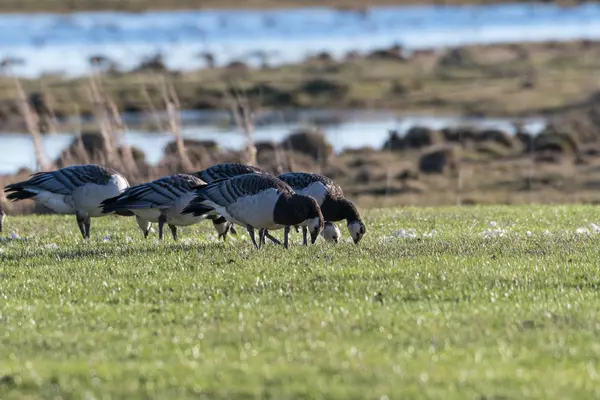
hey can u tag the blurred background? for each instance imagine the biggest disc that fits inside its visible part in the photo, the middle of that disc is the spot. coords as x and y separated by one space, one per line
402 102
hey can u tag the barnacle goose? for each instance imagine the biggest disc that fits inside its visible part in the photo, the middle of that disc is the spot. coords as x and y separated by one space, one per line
259 201
77 189
227 170
161 201
330 197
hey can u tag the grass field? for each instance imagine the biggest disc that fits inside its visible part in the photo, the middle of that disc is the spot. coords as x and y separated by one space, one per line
475 303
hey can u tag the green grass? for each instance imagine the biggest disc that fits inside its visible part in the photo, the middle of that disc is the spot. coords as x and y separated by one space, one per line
453 316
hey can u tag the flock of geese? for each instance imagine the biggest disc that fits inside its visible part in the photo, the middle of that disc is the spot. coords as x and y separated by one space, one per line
227 194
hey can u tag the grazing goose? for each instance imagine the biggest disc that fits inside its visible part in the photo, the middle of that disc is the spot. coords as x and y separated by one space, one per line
227 170
330 197
78 189
161 201
259 201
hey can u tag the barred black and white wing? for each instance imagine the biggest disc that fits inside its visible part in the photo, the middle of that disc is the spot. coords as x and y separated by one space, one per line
227 170
63 181
160 193
225 192
318 186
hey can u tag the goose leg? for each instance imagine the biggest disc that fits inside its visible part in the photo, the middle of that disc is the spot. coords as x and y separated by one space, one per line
286 234
81 224
161 223
232 229
304 236
296 228
87 222
251 233
173 231
272 238
261 237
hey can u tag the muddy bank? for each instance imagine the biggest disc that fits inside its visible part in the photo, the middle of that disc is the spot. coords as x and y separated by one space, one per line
424 167
493 80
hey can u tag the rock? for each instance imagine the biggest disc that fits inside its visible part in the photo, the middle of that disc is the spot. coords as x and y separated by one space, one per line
552 140
438 159
265 146
312 143
200 153
457 57
394 142
418 137
280 161
497 136
88 148
318 87
526 140
461 134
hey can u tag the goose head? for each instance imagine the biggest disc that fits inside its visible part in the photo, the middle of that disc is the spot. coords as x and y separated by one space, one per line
357 230
331 232
306 211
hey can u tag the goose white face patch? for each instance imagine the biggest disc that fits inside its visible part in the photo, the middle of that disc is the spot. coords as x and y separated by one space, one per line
313 224
357 230
331 232
222 227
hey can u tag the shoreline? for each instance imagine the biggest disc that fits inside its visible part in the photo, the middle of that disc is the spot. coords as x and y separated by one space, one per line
499 80
59 6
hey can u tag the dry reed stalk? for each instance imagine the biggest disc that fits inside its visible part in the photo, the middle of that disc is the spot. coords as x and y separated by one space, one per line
244 119
82 153
51 118
172 106
153 110
112 128
118 129
31 121
101 116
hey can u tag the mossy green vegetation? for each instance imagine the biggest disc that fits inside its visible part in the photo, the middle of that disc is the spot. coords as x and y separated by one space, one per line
452 303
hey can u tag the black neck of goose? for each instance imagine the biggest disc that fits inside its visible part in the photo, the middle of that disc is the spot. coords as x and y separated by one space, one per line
286 212
339 209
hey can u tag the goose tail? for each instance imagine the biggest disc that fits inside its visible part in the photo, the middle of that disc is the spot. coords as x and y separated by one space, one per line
18 191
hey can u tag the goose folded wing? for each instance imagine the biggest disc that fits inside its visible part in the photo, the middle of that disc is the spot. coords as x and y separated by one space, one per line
157 194
54 182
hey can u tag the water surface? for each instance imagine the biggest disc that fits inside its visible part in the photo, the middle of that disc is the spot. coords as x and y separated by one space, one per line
53 42
363 130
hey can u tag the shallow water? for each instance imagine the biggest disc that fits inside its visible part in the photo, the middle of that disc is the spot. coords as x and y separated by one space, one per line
362 130
52 42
